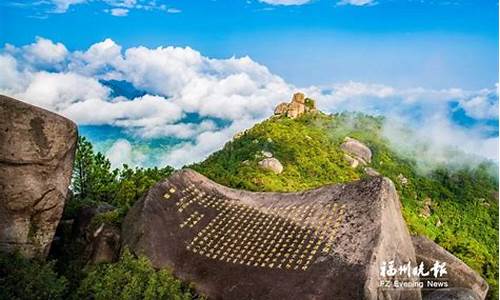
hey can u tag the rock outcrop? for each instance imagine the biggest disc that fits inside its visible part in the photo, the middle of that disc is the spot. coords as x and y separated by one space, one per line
104 246
426 210
102 242
36 156
327 243
271 164
452 294
402 179
297 107
459 275
356 152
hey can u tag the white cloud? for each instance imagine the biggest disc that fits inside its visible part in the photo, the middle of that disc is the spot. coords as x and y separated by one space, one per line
357 2
174 10
483 105
58 91
439 141
285 2
61 6
97 59
141 114
424 112
122 3
119 12
227 95
44 51
205 143
122 152
12 79
118 8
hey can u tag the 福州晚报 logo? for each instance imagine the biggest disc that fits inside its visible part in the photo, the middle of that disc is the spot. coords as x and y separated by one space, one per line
409 275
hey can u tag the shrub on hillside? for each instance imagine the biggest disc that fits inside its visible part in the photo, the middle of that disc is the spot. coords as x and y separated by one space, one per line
21 279
132 278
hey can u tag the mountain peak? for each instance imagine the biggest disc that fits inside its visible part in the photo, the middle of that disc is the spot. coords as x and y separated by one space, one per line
297 107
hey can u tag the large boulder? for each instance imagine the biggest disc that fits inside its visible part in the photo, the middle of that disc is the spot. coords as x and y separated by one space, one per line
357 150
104 244
459 275
271 164
37 148
452 294
327 243
83 219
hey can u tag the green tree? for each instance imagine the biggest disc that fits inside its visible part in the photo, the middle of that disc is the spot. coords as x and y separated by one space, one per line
21 279
129 279
93 178
94 181
82 168
133 183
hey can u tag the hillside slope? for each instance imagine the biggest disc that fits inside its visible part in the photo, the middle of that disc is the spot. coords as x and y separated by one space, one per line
456 208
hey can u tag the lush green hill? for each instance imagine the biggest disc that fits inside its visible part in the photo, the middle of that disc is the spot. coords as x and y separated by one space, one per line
463 201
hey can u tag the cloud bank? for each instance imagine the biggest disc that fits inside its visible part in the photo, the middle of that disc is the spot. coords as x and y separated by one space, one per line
201 102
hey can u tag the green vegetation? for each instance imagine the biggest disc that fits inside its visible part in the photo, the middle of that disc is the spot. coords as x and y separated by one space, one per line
23 279
311 158
132 278
463 201
310 103
95 182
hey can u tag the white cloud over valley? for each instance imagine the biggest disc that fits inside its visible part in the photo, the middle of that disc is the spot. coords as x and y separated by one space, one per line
226 95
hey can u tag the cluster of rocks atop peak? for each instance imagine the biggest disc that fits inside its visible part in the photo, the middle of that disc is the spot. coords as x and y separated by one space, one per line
297 107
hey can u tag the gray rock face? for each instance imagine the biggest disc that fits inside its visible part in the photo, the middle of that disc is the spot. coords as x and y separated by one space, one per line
271 164
459 274
83 220
102 243
357 150
453 294
104 246
36 156
326 243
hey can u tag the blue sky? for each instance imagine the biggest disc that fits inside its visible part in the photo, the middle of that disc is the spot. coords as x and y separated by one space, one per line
433 64
434 44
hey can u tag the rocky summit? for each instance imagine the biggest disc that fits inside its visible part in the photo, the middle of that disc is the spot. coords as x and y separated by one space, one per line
326 243
36 157
297 107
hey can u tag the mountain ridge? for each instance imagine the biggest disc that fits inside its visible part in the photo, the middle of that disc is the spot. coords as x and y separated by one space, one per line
309 149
